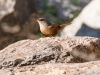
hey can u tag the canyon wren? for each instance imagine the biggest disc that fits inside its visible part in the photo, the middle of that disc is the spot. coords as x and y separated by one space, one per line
49 28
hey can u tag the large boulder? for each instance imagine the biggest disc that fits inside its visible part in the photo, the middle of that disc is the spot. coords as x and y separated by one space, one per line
17 21
87 23
51 56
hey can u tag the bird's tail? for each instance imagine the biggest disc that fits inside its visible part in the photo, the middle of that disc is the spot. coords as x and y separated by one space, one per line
63 25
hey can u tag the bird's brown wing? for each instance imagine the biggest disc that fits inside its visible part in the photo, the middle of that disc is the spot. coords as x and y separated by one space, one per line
53 25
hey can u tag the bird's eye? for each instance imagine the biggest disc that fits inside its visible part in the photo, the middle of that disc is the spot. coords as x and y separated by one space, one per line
41 19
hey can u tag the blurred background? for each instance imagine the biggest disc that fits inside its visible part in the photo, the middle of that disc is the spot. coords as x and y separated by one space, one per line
18 18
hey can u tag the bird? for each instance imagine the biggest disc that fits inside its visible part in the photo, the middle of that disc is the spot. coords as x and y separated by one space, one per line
48 28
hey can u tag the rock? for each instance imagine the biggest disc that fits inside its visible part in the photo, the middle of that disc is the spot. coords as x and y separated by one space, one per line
9 6
88 68
20 17
68 49
87 23
16 21
6 7
50 55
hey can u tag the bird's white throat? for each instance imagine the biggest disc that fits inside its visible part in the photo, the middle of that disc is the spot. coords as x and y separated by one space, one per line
42 26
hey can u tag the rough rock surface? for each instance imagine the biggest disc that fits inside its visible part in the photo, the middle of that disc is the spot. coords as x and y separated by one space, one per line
87 23
52 56
89 68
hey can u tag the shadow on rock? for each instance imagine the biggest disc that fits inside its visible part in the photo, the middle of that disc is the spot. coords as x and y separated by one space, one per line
88 31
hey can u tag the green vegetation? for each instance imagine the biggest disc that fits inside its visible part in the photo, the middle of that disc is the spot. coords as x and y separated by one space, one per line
40 34
52 10
76 2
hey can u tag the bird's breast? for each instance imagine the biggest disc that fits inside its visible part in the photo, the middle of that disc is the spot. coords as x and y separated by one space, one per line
48 31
